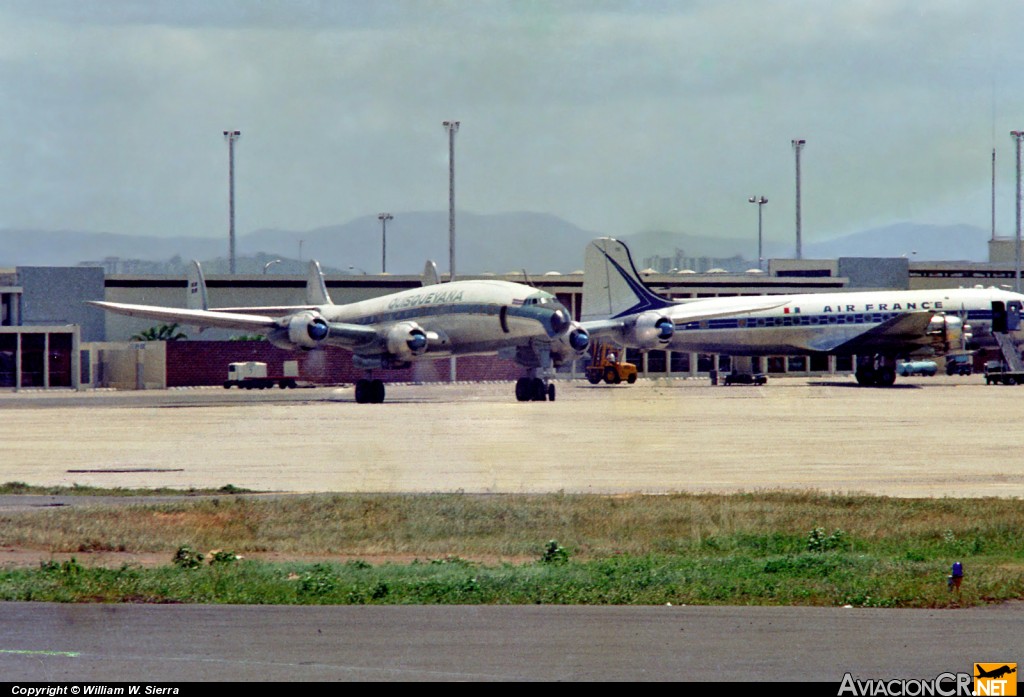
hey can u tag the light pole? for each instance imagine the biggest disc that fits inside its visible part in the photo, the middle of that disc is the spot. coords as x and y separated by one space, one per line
452 127
760 201
269 264
231 137
1017 136
797 147
384 218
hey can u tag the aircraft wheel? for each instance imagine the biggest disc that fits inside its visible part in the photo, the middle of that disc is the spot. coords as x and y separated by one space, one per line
866 378
377 391
611 376
362 391
886 377
539 392
523 389
551 392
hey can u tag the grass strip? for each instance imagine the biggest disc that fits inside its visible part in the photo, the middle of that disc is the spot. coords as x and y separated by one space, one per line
756 548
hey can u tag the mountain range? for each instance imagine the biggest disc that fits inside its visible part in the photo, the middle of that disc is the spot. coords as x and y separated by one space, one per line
505 242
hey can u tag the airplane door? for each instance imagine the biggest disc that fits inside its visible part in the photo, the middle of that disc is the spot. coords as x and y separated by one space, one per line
1013 309
999 316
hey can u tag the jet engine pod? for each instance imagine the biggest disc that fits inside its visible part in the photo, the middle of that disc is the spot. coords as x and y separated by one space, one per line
651 330
306 330
406 340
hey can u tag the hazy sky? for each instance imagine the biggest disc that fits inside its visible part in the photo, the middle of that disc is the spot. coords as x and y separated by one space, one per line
617 116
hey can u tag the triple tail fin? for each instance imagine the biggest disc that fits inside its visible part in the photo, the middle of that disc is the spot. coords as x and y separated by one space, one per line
196 298
430 275
316 289
612 287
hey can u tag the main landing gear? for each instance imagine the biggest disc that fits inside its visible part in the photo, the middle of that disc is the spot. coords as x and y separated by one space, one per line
534 390
369 391
876 371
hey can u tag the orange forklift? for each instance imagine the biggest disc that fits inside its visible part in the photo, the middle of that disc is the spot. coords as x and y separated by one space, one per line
605 365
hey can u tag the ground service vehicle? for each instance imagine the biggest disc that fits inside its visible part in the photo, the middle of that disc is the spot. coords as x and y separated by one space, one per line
605 365
959 365
927 368
997 373
253 374
746 379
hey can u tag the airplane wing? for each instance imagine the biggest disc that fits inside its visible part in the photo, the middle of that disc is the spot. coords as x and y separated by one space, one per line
269 310
338 333
198 318
711 308
904 332
682 313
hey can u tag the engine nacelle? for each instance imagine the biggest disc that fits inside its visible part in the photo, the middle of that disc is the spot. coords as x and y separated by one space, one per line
651 330
306 330
406 340
576 339
948 333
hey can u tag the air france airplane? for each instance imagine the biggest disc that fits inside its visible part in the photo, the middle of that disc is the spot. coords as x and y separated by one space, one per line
438 320
877 327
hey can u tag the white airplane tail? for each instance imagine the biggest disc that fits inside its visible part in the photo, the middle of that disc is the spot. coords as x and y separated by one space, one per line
316 289
430 275
196 298
611 285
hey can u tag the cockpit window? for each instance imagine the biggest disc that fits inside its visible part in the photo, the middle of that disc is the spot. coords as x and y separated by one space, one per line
539 300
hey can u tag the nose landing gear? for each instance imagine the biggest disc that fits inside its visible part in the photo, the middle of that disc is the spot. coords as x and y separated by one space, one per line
535 389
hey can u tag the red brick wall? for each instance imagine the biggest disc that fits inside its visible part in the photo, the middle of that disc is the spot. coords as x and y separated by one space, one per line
206 363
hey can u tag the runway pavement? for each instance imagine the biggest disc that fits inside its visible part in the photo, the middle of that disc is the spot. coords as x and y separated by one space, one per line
926 437
86 643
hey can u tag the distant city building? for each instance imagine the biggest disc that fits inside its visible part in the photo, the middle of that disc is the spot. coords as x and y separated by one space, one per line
679 261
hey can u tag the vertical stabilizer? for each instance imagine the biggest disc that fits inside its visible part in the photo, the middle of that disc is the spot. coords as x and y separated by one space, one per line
316 289
430 276
196 298
611 285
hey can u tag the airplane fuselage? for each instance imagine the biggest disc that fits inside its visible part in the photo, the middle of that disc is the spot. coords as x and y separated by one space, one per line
833 322
470 317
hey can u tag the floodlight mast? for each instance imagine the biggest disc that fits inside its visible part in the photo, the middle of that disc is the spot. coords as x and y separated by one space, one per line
760 201
798 145
384 218
231 137
1018 136
452 127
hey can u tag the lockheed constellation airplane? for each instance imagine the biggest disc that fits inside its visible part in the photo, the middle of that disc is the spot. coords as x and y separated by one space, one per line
877 327
461 318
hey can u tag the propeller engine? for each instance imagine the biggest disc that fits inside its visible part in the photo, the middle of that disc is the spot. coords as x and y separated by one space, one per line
948 333
406 340
651 330
575 338
305 330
